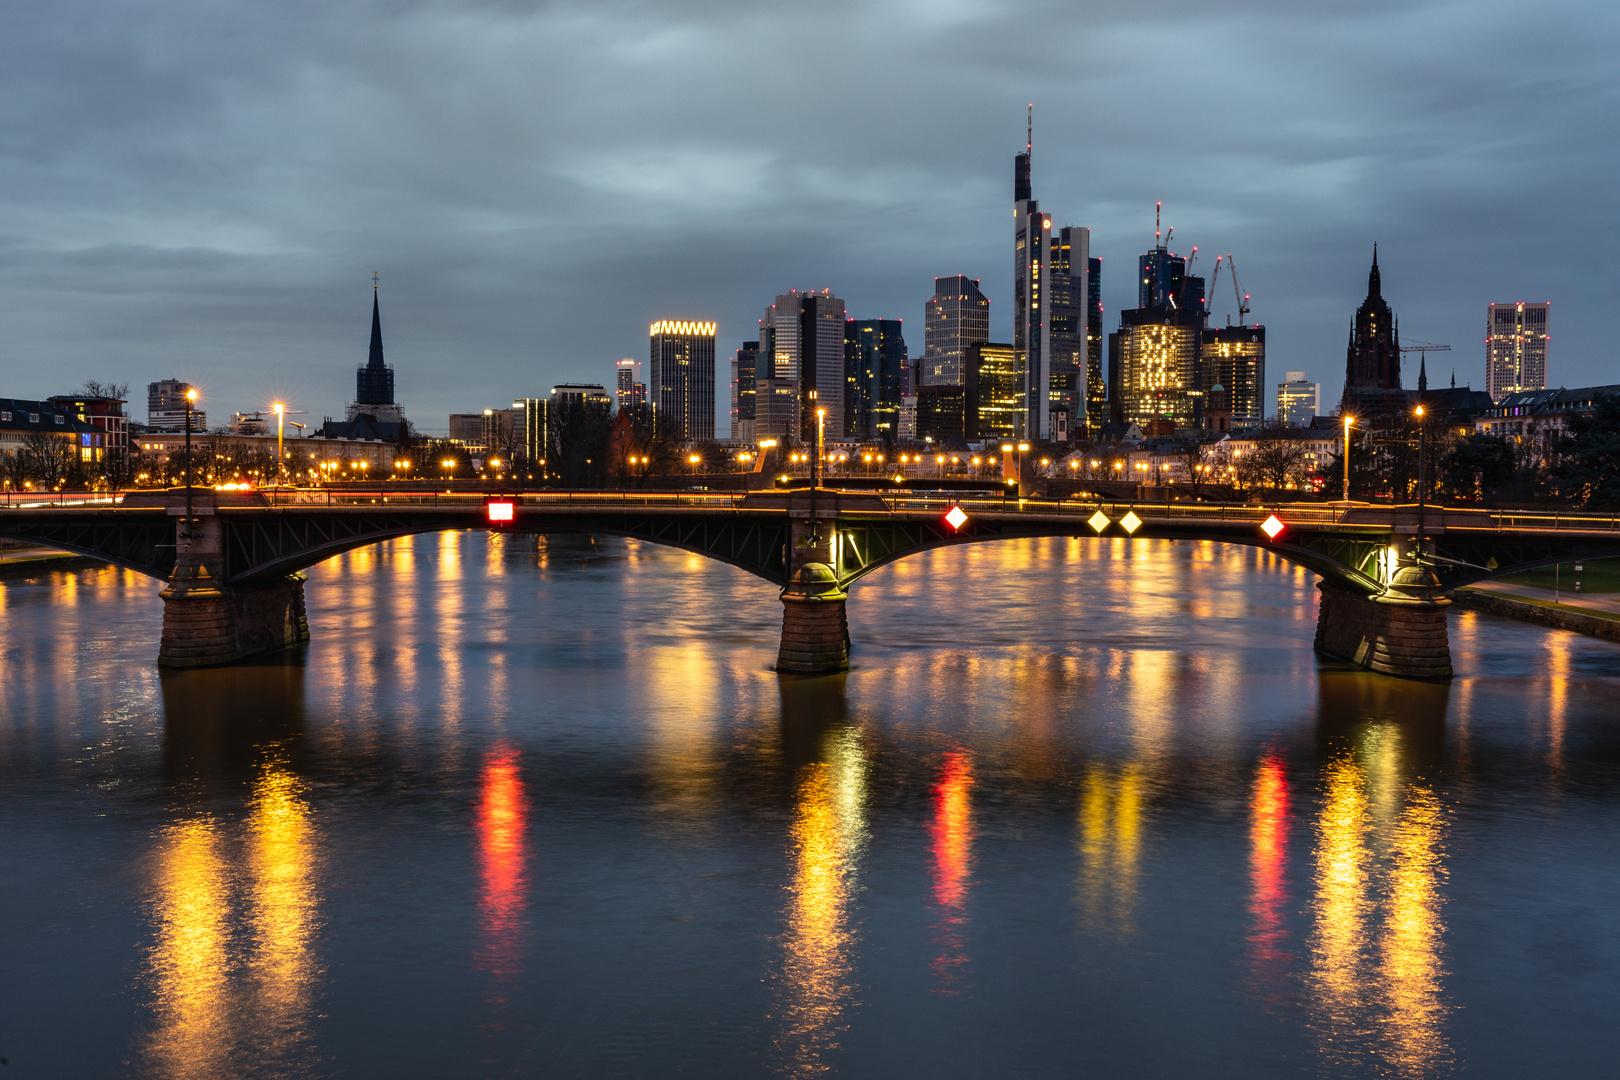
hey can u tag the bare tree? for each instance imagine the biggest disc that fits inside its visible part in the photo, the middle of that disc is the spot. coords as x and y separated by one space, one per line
116 391
1275 460
14 468
50 458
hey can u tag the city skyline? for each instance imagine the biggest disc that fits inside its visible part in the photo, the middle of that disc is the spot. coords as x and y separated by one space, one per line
249 287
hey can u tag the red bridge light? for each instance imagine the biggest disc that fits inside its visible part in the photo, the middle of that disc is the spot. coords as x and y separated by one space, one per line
500 511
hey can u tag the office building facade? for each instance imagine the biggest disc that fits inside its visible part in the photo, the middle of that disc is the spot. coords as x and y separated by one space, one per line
1298 401
744 368
955 317
680 382
1096 384
166 407
995 407
800 367
874 369
1516 348
630 391
529 419
1235 358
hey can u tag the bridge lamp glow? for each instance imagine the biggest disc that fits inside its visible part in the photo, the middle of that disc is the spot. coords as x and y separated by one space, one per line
1098 521
955 518
1271 526
1130 522
500 511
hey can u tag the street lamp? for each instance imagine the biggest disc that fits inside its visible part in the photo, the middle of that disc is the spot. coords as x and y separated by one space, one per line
693 460
281 419
1348 420
191 399
1423 448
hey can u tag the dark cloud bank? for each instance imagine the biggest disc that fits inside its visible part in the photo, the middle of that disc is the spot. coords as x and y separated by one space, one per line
203 189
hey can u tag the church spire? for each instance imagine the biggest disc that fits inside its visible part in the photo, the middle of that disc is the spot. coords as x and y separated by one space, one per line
376 360
1423 373
1375 289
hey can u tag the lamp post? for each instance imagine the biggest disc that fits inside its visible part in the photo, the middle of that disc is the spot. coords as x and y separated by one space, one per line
1348 420
281 418
191 398
1423 478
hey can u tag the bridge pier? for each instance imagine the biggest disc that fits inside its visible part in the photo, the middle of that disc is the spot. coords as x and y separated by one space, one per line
815 627
1400 632
206 622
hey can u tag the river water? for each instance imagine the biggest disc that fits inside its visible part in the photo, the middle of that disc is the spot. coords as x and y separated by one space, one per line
524 807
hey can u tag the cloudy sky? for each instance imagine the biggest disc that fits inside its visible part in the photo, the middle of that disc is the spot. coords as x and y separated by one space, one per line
202 188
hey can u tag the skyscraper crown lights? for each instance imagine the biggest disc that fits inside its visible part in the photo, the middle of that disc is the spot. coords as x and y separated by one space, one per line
674 326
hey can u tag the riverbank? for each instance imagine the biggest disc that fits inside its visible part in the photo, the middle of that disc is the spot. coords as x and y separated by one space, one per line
1598 617
22 561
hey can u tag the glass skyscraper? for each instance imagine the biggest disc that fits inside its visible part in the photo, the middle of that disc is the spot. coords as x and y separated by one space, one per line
955 317
681 378
874 371
1515 348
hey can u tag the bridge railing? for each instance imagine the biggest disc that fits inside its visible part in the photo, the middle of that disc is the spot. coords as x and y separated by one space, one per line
42 500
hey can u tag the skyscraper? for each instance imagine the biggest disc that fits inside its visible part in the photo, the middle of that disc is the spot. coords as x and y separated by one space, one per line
1516 348
166 407
955 317
744 366
995 392
374 382
874 366
1235 358
1067 338
1031 267
1372 363
530 416
681 378
1096 385
1154 357
630 391
1298 401
1051 317
800 367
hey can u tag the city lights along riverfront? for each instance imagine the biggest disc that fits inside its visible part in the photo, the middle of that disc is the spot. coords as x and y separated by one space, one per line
496 819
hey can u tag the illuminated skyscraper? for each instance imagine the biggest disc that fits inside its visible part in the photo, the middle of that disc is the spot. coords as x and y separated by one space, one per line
630 391
744 365
874 369
681 378
1052 371
1096 386
995 392
1516 348
1235 358
955 317
1154 356
800 367
1298 402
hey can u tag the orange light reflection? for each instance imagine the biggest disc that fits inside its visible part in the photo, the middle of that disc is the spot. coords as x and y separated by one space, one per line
952 829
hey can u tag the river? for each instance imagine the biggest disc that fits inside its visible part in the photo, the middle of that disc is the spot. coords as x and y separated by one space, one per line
1080 807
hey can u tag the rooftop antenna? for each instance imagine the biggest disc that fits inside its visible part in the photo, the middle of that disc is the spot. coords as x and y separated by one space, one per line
374 281
1029 134
1156 207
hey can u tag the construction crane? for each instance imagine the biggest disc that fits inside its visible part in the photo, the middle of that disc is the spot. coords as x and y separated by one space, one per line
1242 297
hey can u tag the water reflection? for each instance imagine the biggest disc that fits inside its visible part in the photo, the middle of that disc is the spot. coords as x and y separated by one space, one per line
284 912
1269 959
1377 942
189 961
952 830
818 962
1110 846
503 873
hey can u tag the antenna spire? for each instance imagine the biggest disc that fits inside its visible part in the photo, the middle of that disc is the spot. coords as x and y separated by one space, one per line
374 281
1156 208
1029 131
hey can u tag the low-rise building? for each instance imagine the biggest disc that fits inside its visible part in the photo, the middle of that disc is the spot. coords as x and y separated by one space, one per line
1535 420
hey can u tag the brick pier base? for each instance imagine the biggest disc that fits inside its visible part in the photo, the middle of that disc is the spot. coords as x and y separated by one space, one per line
1393 634
815 631
205 623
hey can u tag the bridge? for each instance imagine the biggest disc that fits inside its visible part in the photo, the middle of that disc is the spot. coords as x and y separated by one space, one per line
232 561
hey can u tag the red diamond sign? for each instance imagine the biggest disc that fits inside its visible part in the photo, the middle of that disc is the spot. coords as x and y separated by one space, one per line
955 518
1271 526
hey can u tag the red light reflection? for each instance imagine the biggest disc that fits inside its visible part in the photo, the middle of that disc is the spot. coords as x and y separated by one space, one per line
503 858
952 829
1268 879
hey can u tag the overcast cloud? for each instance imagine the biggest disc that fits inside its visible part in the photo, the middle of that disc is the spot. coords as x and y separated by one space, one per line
203 189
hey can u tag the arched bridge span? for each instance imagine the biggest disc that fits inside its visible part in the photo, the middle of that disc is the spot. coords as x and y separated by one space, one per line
236 547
